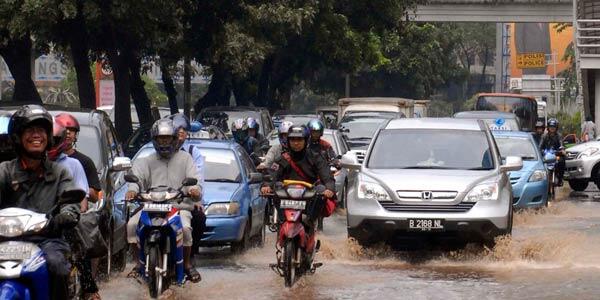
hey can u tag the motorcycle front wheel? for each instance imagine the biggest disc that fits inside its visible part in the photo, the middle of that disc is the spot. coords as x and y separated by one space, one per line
289 271
154 277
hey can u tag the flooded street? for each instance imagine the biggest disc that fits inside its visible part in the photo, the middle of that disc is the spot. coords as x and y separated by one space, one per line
553 254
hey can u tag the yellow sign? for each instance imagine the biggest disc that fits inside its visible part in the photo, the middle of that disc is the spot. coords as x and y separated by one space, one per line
531 60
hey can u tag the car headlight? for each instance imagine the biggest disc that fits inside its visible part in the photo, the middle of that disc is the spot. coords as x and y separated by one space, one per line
11 227
371 190
537 175
588 152
223 208
483 192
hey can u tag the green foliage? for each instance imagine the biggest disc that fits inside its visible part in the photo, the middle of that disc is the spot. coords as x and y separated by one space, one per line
569 123
157 97
440 109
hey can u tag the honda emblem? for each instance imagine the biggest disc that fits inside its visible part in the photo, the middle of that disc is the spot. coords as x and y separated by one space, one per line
426 195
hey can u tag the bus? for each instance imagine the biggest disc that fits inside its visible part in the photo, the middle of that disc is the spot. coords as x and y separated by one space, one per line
523 106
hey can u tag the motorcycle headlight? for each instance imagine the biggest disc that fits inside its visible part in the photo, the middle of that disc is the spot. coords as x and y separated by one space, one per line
11 227
537 175
223 208
371 190
588 152
38 226
483 192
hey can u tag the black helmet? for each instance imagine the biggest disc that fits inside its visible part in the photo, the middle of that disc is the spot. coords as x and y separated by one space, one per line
298 132
164 127
553 123
316 125
25 117
540 124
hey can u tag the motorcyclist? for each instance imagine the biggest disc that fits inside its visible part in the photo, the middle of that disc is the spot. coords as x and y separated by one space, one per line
166 167
553 140
253 131
300 164
318 145
239 129
33 182
274 152
540 128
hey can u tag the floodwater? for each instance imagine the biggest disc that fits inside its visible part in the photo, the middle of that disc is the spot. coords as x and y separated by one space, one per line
554 253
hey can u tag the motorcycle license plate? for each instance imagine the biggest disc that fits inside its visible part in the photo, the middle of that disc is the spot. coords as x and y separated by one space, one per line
425 224
292 204
157 207
14 252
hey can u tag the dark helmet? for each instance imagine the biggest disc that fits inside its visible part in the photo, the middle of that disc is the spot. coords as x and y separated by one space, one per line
298 132
59 137
315 125
164 127
180 121
588 119
27 116
252 124
553 123
239 129
539 124
67 121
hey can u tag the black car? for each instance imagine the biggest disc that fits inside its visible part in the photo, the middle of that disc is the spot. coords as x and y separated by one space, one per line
98 140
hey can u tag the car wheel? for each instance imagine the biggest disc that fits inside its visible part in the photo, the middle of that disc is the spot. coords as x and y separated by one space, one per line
360 236
579 185
240 246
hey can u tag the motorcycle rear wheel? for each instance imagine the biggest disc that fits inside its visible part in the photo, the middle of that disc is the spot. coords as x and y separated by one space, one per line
289 272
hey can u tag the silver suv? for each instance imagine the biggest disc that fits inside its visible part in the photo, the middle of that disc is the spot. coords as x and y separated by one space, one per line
438 177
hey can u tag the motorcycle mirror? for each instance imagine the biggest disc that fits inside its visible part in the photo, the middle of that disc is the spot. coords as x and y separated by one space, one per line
189 181
132 178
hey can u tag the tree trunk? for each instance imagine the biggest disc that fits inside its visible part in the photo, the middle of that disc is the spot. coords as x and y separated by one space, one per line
242 91
76 34
169 88
122 101
264 82
485 61
138 93
218 92
17 55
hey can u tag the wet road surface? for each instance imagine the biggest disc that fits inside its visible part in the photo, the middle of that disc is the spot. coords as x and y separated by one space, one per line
554 253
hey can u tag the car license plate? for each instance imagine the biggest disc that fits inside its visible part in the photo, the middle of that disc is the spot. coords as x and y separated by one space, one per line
425 224
292 204
157 207
15 252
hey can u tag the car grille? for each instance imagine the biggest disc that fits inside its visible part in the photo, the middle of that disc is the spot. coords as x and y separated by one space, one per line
432 195
433 208
572 155
514 180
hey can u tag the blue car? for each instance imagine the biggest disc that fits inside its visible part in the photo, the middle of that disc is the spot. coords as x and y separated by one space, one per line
235 211
530 184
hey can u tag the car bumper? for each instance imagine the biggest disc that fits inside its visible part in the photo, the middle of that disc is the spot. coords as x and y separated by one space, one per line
580 168
530 194
223 230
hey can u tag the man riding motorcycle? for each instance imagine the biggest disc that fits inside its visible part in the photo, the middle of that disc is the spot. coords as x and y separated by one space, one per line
167 167
319 145
33 182
300 164
239 129
553 140
540 128
274 152
253 131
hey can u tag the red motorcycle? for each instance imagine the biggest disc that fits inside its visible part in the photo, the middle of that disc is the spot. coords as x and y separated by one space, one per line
301 204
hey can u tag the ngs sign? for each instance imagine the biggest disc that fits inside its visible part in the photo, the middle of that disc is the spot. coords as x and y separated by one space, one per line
47 68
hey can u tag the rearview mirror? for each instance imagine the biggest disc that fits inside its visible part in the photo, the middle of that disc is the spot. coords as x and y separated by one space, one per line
350 161
255 177
513 163
189 181
131 178
121 164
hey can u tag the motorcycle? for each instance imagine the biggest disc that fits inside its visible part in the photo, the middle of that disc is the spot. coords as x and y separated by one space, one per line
23 269
551 158
301 203
160 234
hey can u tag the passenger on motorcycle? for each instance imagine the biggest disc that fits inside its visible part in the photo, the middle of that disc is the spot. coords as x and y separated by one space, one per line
33 182
253 131
553 140
166 167
319 145
239 129
540 127
274 152
300 164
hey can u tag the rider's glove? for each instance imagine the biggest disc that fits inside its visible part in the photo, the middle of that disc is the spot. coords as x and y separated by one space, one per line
68 216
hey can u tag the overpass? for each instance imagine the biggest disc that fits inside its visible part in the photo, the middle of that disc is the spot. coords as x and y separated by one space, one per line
497 11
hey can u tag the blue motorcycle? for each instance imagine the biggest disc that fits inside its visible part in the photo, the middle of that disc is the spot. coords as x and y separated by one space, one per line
160 234
551 159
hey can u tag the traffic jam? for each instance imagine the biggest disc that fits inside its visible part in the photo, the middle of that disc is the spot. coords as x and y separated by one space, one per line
369 198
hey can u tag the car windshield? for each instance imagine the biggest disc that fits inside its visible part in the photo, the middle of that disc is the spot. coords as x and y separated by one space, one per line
220 165
360 127
431 149
295 119
516 146
89 143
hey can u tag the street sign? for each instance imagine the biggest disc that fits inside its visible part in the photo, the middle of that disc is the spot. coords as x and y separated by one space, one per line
531 60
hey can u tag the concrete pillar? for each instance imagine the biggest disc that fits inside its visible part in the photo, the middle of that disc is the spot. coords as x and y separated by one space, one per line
498 62
596 99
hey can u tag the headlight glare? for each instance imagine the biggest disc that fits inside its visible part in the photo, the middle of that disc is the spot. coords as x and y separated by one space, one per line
483 192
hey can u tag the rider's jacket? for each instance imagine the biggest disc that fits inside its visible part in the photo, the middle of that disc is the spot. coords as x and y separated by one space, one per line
310 167
325 149
551 141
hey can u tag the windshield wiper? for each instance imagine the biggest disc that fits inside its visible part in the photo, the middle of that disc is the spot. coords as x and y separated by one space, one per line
480 168
361 138
222 180
428 167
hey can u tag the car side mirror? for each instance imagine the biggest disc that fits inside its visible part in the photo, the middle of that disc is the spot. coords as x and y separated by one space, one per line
344 130
350 162
513 163
121 164
255 177
132 178
189 182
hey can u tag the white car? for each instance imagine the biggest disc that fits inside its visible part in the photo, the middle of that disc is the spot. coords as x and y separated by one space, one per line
582 165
